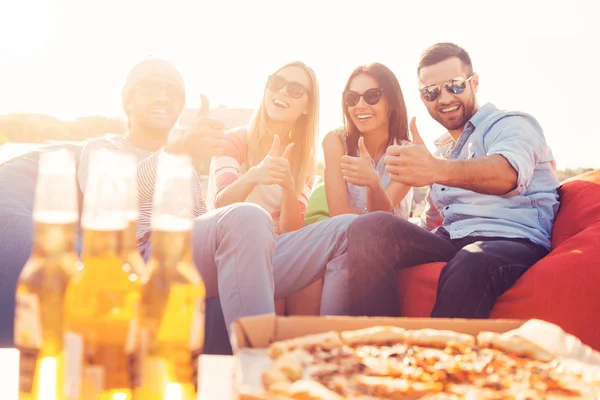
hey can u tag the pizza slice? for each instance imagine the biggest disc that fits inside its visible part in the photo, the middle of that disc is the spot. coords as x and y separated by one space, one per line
376 335
439 338
327 340
396 388
514 344
289 367
305 389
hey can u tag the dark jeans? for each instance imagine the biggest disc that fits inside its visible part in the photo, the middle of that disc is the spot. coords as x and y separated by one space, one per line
477 271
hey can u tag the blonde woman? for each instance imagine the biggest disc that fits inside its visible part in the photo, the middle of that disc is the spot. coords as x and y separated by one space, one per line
271 163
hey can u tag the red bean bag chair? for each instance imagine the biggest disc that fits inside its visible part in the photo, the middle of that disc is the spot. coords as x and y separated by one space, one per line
562 288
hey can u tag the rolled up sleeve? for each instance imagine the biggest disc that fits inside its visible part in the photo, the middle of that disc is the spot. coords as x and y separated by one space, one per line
522 143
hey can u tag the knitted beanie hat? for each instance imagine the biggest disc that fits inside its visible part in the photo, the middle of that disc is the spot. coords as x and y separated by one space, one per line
147 68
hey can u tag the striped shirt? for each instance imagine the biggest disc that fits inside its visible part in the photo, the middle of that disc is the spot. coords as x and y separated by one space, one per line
146 177
233 164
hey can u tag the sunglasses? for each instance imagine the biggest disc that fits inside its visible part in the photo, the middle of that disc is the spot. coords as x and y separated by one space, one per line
453 86
155 88
294 89
371 96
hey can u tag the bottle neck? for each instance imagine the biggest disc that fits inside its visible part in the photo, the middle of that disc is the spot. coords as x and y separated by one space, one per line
129 239
103 243
171 248
53 239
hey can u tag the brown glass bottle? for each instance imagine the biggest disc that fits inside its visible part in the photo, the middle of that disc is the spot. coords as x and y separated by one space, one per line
173 293
101 302
39 330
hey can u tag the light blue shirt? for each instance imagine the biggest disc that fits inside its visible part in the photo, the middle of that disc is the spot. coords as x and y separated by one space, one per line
357 195
526 212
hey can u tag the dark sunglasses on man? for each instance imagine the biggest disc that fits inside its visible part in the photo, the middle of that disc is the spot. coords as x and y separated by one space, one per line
453 86
154 88
371 97
294 89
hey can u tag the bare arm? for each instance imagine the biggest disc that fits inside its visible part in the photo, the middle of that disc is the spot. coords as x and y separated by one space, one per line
335 186
290 218
414 166
237 191
491 174
379 199
513 150
231 186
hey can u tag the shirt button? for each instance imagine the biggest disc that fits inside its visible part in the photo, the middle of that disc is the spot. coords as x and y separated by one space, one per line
447 208
443 189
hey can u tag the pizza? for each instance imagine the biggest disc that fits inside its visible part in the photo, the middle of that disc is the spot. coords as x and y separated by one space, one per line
388 362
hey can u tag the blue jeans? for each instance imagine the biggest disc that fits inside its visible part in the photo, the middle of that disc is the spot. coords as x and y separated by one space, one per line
248 268
477 270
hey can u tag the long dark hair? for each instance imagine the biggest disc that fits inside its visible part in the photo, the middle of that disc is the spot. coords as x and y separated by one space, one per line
398 118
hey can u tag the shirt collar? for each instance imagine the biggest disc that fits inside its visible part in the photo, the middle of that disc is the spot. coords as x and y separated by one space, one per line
445 143
481 114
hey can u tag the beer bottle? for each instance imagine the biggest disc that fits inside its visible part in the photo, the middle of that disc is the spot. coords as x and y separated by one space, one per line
101 301
38 331
128 243
172 299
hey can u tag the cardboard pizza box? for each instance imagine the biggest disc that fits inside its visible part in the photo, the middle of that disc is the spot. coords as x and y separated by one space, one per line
259 332
251 336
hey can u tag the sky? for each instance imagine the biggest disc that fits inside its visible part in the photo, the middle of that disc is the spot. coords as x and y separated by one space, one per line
69 58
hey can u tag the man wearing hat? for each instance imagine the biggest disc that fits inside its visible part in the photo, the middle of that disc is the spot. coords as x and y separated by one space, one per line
237 271
153 99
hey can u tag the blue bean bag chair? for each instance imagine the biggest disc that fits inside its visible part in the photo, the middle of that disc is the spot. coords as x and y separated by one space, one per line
18 179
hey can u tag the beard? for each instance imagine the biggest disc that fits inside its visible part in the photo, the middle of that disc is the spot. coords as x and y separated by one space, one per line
154 126
156 130
465 111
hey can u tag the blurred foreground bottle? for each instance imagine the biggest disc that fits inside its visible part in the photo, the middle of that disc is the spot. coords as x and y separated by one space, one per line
39 332
127 165
172 300
101 301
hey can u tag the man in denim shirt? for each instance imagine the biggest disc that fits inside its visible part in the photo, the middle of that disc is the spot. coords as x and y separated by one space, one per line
490 207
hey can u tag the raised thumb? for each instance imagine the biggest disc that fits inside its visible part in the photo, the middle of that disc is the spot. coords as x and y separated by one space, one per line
416 136
204 106
362 148
274 152
288 151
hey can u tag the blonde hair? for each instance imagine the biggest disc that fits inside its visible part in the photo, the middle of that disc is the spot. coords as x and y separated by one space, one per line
304 134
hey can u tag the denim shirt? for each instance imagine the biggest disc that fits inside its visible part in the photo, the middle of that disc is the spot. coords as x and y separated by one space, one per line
528 211
357 195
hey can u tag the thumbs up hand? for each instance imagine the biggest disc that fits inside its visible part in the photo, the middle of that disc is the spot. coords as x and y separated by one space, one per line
412 164
416 136
275 167
359 170
204 138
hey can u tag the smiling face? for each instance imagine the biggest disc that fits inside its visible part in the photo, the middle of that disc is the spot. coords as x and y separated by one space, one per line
155 104
451 110
287 97
368 117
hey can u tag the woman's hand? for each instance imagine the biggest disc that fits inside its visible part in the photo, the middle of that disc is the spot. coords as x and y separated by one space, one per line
359 170
274 169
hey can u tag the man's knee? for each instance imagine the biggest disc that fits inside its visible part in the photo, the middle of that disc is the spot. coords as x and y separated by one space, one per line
472 264
377 225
